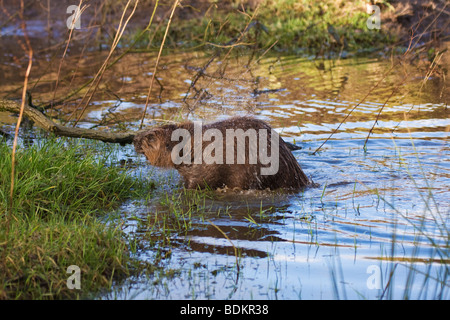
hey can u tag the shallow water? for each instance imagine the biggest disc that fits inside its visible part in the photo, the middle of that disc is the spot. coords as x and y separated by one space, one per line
375 226
371 212
374 212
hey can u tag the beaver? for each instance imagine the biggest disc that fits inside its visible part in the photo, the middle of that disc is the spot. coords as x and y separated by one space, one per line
239 152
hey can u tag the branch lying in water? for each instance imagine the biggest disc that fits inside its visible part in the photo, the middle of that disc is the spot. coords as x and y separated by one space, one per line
50 126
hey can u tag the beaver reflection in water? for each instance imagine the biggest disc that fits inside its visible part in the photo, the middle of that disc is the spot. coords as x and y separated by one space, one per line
240 152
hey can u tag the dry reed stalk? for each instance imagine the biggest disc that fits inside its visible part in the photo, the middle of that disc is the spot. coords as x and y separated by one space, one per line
394 65
413 41
98 77
87 83
81 10
156 64
231 44
29 51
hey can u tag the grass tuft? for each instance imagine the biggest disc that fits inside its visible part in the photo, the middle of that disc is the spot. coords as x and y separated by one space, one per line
61 188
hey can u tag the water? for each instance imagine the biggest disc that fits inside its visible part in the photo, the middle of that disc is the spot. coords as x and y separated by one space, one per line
375 226
369 215
375 212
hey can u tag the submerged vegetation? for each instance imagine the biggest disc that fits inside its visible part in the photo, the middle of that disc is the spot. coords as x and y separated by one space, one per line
62 189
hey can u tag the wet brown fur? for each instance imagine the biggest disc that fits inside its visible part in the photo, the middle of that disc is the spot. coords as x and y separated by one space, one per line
157 146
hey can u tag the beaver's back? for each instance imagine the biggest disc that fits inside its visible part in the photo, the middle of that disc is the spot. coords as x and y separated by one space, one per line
157 143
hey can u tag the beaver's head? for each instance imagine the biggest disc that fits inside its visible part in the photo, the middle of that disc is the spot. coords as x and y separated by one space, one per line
156 145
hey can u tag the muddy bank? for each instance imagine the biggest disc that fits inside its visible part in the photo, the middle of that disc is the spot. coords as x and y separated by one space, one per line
429 19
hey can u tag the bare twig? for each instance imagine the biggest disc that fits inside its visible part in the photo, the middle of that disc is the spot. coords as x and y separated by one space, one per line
74 92
98 77
79 12
230 44
382 107
157 62
50 126
357 105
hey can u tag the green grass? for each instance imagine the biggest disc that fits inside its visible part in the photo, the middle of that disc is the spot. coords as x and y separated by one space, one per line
61 189
303 26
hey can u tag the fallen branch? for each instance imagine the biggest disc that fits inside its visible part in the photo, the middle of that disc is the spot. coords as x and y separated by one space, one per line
50 126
